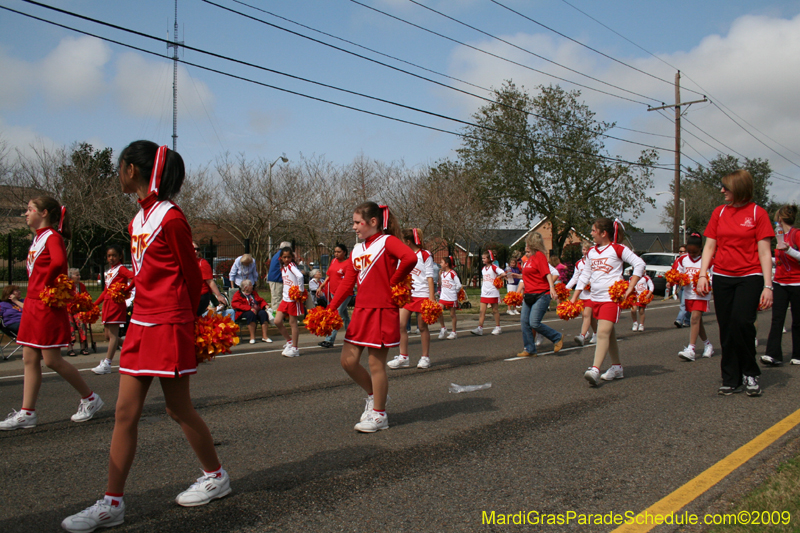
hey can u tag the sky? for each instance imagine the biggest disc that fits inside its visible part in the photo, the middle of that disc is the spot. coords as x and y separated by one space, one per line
58 87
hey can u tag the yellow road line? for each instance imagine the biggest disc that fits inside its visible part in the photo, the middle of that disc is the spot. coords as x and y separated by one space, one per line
693 489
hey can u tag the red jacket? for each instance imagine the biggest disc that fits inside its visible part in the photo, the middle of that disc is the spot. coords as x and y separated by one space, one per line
241 305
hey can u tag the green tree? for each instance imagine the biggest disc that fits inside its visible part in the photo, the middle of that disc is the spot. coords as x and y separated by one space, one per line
544 157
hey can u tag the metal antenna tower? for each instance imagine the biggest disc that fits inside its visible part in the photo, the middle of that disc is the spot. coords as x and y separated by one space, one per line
175 44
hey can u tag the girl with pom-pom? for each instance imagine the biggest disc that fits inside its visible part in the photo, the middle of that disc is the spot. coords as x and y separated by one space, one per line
422 288
292 277
602 269
696 304
490 293
589 322
638 309
44 330
160 341
377 263
448 298
114 314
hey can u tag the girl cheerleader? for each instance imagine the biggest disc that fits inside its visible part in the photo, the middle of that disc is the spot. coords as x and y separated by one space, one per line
75 322
114 314
589 322
44 330
490 295
513 277
696 305
422 288
448 298
292 277
379 261
602 269
644 284
160 342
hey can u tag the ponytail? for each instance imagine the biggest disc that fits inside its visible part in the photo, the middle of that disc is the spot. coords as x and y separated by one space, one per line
387 222
57 215
413 235
163 167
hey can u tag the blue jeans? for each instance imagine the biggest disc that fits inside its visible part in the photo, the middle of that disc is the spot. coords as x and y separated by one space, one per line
683 317
531 318
345 317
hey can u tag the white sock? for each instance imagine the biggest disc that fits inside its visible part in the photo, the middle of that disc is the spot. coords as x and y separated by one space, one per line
113 500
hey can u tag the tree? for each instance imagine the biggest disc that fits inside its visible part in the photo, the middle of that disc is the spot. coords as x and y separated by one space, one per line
544 157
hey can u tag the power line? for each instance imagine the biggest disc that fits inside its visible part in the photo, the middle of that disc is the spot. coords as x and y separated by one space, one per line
644 132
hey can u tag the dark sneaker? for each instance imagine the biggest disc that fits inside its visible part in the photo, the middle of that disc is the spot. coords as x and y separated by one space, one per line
727 391
751 386
678 324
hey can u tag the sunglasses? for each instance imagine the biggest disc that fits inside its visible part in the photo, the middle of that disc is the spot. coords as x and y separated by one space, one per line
724 188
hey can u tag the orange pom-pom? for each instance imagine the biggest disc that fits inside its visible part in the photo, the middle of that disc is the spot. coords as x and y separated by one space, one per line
588 287
567 310
646 297
401 293
498 282
60 294
80 303
322 321
562 292
617 290
91 316
629 302
214 334
119 291
462 295
296 295
431 311
514 299
673 277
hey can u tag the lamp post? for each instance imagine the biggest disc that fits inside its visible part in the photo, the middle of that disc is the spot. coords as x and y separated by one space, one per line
683 224
269 220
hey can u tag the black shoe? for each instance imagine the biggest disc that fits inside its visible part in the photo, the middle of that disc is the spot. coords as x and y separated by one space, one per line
326 344
678 324
770 361
727 391
752 387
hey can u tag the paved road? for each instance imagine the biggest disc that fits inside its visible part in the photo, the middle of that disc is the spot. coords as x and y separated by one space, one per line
539 439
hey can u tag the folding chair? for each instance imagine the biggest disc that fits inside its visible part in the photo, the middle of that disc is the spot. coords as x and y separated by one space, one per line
12 338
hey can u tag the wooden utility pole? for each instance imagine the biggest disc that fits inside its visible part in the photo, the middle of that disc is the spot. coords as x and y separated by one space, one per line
677 184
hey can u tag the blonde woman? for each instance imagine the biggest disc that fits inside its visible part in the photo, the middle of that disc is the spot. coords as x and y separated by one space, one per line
538 287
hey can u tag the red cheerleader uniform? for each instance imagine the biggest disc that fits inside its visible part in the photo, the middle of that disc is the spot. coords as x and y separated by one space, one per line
374 265
291 277
113 312
419 281
160 340
43 326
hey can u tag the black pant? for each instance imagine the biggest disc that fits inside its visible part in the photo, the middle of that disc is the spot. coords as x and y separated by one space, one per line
205 299
736 303
784 295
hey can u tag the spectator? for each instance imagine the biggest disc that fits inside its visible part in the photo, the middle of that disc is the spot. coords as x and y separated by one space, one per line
209 286
11 307
514 276
274 277
538 289
251 307
244 268
336 272
314 283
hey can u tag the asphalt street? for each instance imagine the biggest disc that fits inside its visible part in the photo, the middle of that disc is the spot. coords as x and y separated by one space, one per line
540 439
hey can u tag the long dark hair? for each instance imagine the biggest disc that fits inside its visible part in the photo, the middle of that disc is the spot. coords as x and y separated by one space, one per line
142 155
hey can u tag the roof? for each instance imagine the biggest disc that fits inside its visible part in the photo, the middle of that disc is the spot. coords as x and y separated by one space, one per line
505 237
644 241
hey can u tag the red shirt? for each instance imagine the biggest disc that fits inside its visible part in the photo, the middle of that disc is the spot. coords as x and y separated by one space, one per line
206 273
45 265
336 272
787 268
534 274
737 231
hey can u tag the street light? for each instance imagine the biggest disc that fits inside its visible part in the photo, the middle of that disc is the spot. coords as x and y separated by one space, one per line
284 159
683 225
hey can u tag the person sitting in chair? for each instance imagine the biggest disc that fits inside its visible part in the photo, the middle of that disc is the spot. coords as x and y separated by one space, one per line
11 307
251 307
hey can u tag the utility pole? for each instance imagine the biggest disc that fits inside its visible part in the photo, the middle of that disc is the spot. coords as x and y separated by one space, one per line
677 184
175 44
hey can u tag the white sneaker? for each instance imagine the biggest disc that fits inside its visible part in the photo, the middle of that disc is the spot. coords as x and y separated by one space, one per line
708 351
287 344
687 354
592 376
453 335
374 422
580 340
442 334
287 349
252 341
368 408
103 368
399 361
641 327
635 326
794 362
497 330
516 312
19 420
416 331
615 372
266 339
291 352
424 362
477 331
101 514
87 409
594 339
205 489
510 312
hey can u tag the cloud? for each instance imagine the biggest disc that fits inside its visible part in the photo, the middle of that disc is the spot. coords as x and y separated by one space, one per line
15 82
73 72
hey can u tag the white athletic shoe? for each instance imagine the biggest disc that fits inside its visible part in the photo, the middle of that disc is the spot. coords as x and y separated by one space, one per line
368 408
266 339
374 422
287 349
19 420
424 362
594 339
794 362
442 334
399 361
101 514
708 351
291 352
103 368
592 376
687 354
252 341
205 489
477 331
87 409
641 327
615 372
516 312
416 331
453 335
497 330
510 312
635 326
580 340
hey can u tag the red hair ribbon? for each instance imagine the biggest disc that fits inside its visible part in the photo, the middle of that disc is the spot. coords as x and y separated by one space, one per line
452 261
61 221
491 255
416 237
385 209
694 235
158 168
617 225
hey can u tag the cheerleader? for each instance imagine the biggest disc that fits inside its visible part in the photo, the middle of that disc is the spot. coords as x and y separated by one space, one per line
292 277
513 278
696 305
378 262
589 323
44 330
602 269
644 284
448 298
75 323
490 295
160 342
422 288
114 313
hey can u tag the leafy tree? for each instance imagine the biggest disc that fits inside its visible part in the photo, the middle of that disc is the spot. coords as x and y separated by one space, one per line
544 157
